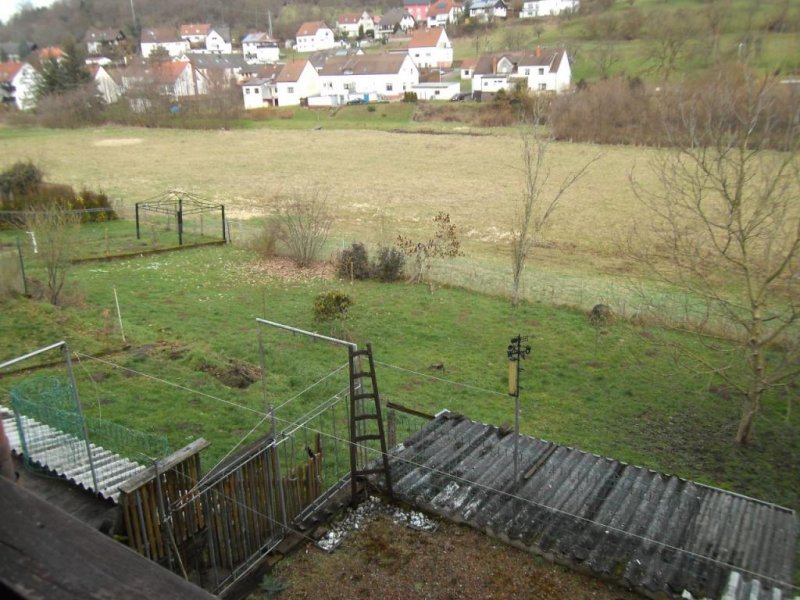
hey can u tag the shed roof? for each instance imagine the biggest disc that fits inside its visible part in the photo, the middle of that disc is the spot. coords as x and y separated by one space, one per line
658 533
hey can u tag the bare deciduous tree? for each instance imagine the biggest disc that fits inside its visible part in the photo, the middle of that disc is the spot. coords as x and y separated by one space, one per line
54 226
724 227
301 224
538 201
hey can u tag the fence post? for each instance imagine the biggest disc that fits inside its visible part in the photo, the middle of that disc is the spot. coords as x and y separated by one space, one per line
391 425
22 268
281 493
74 387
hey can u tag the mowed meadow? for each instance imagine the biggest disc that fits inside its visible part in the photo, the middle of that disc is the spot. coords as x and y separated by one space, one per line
377 183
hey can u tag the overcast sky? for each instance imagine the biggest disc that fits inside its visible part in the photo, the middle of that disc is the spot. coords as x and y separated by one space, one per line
9 7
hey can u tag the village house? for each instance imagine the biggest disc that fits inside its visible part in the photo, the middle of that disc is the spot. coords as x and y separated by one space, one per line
319 58
382 75
417 9
350 25
218 69
486 10
468 67
259 48
262 90
107 87
443 12
395 20
545 8
165 38
173 79
18 85
431 48
102 41
297 80
313 36
437 90
195 34
539 71
219 39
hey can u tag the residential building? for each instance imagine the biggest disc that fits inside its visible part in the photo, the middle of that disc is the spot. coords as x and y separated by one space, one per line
350 25
387 75
417 9
260 48
219 39
487 10
195 34
468 67
106 85
101 41
297 80
218 69
313 36
539 71
319 58
18 84
395 20
437 90
546 8
262 91
165 38
442 12
173 79
431 48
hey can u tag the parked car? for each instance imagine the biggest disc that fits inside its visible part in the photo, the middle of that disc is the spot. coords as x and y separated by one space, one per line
460 97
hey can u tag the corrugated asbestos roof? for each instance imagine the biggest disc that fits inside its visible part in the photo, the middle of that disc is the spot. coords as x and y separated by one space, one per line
654 532
56 451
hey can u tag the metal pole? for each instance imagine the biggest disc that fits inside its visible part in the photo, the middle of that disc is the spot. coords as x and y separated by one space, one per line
180 221
515 354
22 267
74 386
119 315
224 235
138 233
278 466
263 368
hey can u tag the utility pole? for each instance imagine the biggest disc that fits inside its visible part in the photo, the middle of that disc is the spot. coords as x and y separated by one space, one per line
516 353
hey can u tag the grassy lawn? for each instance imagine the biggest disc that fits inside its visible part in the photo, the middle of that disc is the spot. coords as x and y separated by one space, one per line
619 392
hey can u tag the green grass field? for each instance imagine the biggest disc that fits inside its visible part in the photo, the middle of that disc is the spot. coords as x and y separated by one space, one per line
619 391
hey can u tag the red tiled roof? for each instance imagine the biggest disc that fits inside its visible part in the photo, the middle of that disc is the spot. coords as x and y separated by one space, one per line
51 52
425 38
469 63
349 18
311 27
442 7
195 29
160 36
9 70
291 71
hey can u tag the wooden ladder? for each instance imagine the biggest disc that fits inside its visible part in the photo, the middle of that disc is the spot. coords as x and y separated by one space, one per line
362 415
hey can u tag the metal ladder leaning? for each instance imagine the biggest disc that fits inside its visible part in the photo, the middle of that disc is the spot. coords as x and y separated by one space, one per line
362 413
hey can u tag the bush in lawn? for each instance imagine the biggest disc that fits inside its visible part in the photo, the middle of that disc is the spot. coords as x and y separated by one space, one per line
302 223
331 306
353 262
410 97
389 265
21 178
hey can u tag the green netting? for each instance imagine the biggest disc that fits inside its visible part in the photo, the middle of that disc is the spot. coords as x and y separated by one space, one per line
49 401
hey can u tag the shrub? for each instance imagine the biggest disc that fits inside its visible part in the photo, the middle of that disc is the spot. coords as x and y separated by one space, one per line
353 262
389 264
331 306
302 224
410 97
23 177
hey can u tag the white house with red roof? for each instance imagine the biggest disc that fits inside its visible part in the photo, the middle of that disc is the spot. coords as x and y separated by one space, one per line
262 90
297 80
361 76
165 38
313 36
417 8
442 12
18 84
195 33
350 24
431 48
544 8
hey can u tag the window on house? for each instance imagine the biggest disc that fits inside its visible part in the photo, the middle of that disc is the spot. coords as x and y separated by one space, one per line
256 91
246 90
436 92
290 90
388 87
542 86
541 70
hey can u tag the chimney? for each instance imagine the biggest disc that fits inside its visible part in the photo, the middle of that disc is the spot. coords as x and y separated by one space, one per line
538 50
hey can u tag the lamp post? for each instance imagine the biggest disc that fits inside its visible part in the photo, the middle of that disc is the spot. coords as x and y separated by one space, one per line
516 353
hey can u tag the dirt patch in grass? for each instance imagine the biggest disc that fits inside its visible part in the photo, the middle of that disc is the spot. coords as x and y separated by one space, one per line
283 268
236 374
388 561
